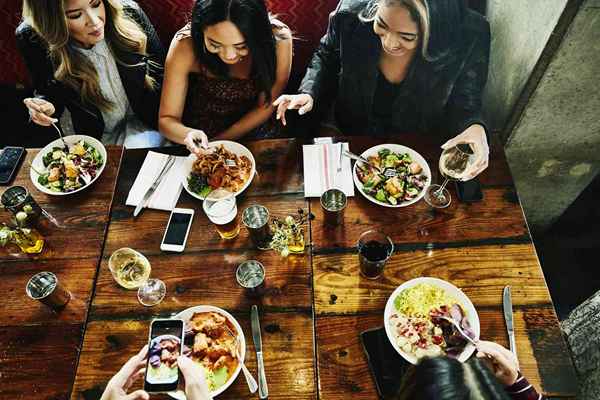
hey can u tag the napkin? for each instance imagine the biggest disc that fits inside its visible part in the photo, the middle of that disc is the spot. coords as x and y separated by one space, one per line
321 163
167 193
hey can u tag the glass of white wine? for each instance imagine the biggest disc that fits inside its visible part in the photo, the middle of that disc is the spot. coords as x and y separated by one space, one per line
131 270
453 163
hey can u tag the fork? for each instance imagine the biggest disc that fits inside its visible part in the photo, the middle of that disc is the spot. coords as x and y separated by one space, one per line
388 172
66 147
459 329
228 162
252 385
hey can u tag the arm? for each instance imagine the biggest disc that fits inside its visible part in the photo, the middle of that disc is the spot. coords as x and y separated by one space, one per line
523 390
264 110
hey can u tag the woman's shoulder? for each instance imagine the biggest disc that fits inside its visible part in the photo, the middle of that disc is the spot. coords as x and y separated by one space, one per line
280 30
28 38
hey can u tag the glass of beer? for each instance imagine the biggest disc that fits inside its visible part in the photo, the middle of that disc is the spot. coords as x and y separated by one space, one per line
224 214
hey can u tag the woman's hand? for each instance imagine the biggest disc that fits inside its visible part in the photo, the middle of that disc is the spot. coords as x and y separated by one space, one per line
193 137
195 380
303 102
475 136
40 111
501 361
117 387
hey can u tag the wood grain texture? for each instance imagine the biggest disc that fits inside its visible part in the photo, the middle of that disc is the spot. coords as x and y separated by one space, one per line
287 346
344 373
209 279
38 362
481 272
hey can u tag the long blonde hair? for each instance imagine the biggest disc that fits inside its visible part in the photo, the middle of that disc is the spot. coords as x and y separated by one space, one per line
418 10
123 35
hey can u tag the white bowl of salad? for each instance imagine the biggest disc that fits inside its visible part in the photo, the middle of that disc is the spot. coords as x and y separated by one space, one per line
413 324
58 172
411 177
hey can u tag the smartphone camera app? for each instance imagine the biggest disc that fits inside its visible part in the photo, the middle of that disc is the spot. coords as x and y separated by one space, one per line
162 373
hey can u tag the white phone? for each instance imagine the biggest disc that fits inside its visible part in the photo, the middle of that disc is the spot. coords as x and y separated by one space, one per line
177 230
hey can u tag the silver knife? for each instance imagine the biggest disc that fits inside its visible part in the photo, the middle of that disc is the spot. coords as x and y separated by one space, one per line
263 391
508 318
151 189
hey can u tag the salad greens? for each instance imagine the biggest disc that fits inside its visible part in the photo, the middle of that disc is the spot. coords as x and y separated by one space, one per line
406 184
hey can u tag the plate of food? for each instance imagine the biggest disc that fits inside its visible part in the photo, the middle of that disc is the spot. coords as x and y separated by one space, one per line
162 362
58 172
399 176
227 167
209 341
413 322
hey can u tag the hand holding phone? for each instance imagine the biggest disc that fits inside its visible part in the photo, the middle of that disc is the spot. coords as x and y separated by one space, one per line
164 347
121 382
177 230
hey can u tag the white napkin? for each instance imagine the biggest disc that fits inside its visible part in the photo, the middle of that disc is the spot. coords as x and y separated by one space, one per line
321 163
167 193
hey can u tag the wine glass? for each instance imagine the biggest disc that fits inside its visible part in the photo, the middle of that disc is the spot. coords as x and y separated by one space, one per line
131 270
453 163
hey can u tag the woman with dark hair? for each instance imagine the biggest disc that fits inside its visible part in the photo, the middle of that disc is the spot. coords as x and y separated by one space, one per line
393 66
492 375
222 72
101 61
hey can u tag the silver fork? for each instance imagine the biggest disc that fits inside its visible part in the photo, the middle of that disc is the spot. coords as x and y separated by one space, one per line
61 137
387 172
252 385
459 329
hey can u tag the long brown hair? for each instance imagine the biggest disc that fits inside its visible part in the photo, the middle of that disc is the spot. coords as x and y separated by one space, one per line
123 35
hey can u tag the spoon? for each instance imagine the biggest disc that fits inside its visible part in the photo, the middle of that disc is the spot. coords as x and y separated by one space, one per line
388 172
459 329
252 385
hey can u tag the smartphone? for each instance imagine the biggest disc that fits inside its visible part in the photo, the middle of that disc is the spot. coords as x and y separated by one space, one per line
386 365
164 346
9 162
469 191
177 230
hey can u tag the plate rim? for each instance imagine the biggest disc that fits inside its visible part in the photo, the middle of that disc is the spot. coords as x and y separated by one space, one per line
359 184
474 320
70 139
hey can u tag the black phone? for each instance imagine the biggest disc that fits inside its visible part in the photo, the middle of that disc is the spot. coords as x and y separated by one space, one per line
469 191
386 365
9 162
164 346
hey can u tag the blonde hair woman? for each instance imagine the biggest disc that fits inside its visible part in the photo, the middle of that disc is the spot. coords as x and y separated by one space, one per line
99 59
394 66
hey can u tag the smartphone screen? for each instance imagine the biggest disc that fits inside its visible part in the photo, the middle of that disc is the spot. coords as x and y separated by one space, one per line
162 373
177 229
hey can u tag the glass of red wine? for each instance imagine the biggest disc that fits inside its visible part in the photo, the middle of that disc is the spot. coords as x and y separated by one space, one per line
374 249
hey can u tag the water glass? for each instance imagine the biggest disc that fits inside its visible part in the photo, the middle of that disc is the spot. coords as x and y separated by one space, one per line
256 220
333 202
251 276
45 287
374 250
18 199
223 213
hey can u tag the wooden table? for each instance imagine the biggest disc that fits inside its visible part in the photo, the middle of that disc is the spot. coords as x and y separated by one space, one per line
316 304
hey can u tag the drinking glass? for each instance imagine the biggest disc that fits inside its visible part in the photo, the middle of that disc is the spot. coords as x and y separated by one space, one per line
333 202
453 163
251 276
223 213
374 249
46 288
256 219
131 270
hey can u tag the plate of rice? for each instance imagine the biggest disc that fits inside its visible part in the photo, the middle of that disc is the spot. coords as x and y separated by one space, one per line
413 324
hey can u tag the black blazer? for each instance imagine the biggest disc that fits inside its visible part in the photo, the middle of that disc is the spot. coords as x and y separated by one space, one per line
87 118
345 70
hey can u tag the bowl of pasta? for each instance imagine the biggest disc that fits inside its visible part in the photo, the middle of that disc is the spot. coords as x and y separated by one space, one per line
226 168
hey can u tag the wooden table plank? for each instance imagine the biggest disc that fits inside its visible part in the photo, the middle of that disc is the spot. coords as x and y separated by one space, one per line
344 373
209 279
76 275
481 272
497 219
287 345
38 362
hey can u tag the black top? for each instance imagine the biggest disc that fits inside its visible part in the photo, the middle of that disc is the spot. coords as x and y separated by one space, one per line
393 101
445 98
87 118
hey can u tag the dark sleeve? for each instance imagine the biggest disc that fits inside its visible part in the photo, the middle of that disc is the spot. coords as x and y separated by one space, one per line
523 390
34 52
154 47
464 104
320 80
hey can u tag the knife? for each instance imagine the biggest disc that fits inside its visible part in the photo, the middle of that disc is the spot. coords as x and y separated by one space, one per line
508 318
263 391
151 189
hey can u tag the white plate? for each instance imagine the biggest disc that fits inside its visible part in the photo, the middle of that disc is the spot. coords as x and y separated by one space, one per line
71 140
396 148
185 315
453 291
234 147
